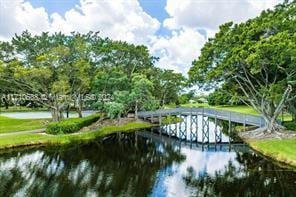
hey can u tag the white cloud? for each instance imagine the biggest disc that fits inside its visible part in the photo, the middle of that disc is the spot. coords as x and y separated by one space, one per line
126 20
212 13
17 15
118 19
178 51
186 16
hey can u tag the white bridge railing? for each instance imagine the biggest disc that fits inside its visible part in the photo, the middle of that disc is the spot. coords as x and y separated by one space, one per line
214 113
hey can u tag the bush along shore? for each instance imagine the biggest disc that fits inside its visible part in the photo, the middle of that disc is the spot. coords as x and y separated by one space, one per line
71 125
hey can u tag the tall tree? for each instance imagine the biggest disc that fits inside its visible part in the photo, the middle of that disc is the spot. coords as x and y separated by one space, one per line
258 57
167 85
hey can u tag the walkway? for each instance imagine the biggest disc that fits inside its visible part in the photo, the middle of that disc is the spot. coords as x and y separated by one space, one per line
236 117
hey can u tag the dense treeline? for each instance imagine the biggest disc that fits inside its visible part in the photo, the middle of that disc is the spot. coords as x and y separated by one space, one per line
121 75
255 61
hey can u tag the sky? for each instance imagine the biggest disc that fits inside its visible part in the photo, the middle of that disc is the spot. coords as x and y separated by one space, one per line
173 30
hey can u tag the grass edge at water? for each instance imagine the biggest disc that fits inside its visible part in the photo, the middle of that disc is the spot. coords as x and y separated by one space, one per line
31 139
283 150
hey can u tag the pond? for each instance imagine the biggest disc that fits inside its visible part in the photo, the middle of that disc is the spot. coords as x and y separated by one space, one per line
40 114
143 164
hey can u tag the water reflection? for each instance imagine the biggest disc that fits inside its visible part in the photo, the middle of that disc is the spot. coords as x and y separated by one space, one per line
252 177
141 164
186 125
119 165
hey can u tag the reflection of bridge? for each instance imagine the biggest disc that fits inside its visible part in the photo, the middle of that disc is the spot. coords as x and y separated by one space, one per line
205 114
225 147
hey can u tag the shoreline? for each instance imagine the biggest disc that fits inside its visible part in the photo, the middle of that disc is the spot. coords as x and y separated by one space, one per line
26 139
41 139
266 144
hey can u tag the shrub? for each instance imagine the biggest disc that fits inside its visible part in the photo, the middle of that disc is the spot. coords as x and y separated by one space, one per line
218 98
171 120
114 110
290 125
70 125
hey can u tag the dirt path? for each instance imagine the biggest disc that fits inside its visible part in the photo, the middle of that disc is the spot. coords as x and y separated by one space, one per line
23 132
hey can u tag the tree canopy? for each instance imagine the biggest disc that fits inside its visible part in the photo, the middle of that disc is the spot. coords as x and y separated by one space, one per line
256 58
54 65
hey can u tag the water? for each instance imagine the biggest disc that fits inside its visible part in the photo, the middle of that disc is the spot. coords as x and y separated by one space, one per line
197 128
143 164
41 114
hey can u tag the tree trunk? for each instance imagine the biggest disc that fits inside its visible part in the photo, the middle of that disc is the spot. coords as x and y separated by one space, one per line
136 110
271 125
55 115
79 106
6 104
56 111
67 111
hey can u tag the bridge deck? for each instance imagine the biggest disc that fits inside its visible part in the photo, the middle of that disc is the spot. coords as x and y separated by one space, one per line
219 114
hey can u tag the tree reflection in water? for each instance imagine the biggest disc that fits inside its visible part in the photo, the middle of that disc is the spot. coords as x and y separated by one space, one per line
254 176
120 165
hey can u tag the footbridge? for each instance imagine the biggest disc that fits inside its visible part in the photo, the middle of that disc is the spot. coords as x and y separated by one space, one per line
236 117
196 121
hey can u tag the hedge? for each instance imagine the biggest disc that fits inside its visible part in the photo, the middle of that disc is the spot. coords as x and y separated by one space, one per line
70 125
290 125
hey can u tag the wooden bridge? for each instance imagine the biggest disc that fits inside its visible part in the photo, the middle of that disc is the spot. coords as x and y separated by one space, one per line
193 125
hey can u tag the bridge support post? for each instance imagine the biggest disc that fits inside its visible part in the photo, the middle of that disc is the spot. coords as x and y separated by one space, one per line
229 130
205 129
183 127
160 123
174 129
170 131
216 134
193 122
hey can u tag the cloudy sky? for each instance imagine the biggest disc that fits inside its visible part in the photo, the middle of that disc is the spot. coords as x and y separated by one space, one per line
174 30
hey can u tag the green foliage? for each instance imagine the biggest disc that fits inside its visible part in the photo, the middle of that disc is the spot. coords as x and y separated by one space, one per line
290 125
171 120
70 125
167 85
77 64
114 110
219 98
185 98
256 58
135 96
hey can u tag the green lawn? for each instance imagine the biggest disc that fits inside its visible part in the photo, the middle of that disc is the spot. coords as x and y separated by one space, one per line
280 150
21 109
237 108
44 139
8 125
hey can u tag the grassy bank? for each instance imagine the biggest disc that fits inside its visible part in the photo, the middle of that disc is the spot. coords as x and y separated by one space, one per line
21 109
280 150
234 108
31 139
8 125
